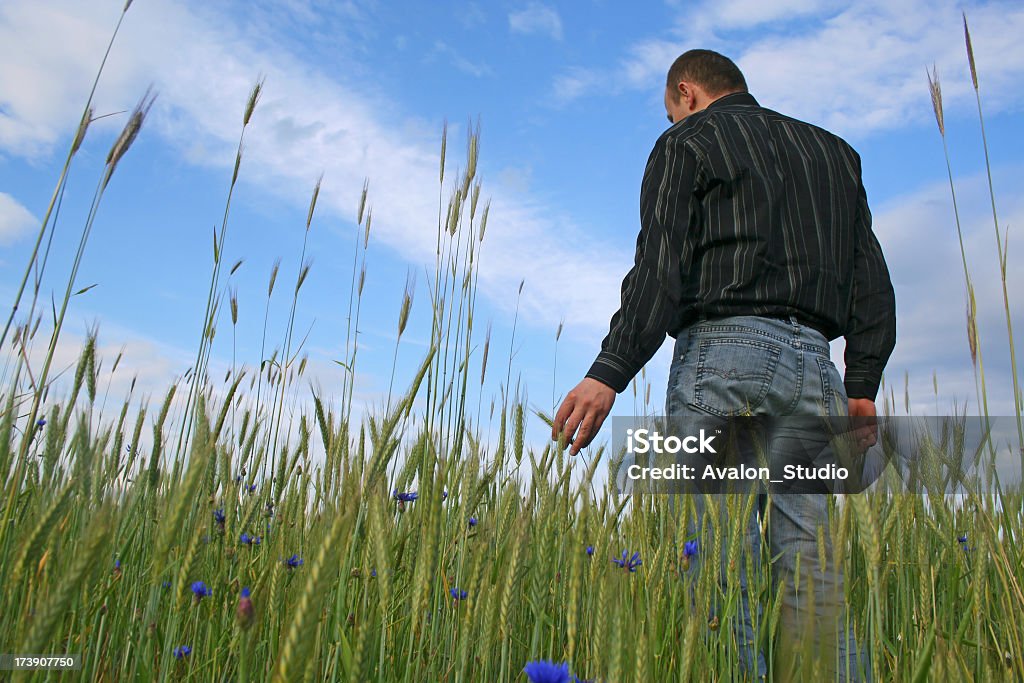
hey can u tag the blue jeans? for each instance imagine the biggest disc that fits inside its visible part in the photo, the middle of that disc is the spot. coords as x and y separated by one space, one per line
766 366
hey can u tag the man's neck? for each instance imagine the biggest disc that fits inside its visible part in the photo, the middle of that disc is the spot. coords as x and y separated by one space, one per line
737 97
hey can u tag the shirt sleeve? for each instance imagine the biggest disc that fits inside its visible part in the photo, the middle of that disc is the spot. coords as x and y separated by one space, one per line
652 289
871 332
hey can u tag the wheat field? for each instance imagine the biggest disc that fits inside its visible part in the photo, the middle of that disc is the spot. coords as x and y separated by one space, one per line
245 528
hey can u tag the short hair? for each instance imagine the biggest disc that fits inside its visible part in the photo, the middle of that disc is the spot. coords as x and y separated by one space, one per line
715 73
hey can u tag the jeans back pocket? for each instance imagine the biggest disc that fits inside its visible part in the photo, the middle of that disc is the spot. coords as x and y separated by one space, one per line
734 375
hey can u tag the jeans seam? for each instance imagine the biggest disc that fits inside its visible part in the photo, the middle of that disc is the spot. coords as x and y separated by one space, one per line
799 384
826 386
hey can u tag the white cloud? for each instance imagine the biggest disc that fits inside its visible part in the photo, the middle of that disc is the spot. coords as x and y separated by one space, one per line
15 219
747 13
471 15
573 83
854 68
538 19
516 178
50 58
460 62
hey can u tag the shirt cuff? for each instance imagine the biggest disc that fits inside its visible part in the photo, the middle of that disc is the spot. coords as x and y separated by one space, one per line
861 384
612 370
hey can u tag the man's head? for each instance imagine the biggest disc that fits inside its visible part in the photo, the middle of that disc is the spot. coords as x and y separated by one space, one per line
696 79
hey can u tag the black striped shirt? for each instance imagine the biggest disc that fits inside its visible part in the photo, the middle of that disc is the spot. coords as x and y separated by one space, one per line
745 211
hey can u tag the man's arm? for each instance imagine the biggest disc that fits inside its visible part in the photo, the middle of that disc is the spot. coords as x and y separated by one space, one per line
652 288
871 334
650 294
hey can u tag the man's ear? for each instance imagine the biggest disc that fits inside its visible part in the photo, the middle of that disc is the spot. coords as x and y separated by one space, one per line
688 95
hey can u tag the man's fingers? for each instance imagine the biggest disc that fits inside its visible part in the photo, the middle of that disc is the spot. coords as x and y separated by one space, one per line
564 411
589 428
571 424
866 436
594 428
585 435
867 431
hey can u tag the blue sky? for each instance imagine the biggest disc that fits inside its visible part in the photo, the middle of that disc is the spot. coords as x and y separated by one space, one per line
568 96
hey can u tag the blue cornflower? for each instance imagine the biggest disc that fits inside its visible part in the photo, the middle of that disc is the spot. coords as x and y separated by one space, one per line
689 550
294 561
407 497
544 671
219 517
40 423
182 651
238 478
250 540
201 590
472 521
444 494
373 573
245 612
962 539
166 584
627 562
252 489
590 550
458 594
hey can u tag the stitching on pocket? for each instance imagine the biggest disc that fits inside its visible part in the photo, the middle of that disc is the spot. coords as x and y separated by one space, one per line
830 395
763 374
826 386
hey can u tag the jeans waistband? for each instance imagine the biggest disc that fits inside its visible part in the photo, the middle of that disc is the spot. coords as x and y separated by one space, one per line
788 329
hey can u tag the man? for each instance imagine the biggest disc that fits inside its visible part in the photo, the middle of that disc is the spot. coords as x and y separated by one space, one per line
755 249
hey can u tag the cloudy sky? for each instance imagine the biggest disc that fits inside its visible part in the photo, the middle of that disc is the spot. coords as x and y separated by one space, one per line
569 100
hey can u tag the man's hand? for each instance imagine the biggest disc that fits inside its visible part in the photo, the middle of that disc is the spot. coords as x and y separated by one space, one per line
586 407
862 414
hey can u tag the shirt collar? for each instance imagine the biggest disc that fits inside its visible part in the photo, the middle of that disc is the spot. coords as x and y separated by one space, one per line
734 98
